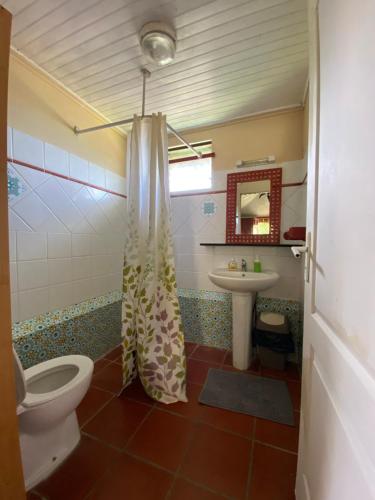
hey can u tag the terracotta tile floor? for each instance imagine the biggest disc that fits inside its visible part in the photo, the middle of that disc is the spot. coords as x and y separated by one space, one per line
135 448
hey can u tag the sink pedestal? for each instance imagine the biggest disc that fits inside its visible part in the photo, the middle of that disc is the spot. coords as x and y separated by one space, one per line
242 310
244 286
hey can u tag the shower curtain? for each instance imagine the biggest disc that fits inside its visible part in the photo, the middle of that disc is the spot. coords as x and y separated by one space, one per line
153 339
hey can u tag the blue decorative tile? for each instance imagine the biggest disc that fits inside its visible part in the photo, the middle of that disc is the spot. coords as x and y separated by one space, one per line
16 185
208 208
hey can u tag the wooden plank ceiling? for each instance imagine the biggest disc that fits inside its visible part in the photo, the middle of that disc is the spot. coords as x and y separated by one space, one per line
234 57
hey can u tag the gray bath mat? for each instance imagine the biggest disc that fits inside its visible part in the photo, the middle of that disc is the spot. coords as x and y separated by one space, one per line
262 397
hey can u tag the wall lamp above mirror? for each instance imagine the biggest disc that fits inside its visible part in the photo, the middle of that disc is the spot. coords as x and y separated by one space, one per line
254 207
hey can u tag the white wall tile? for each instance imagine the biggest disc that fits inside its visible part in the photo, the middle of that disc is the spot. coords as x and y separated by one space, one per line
96 175
287 288
98 220
115 281
85 202
81 245
31 246
115 182
28 149
100 285
79 168
98 245
100 265
59 245
116 263
59 203
82 290
60 296
114 212
193 262
36 214
97 194
12 245
285 266
56 159
82 226
59 271
16 223
120 243
32 274
13 276
61 232
81 267
69 187
32 302
33 177
14 307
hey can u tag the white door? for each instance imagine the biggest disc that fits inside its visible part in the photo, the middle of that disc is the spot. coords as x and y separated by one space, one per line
337 437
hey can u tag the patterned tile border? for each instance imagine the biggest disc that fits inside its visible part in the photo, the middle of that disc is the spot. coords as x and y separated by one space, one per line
207 317
59 316
93 327
91 334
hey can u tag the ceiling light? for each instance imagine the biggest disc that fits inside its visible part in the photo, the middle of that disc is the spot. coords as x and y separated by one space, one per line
158 42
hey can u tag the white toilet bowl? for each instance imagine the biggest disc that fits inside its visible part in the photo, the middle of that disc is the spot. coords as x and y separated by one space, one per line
47 396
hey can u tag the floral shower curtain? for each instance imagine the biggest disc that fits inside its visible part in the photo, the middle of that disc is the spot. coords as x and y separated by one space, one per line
153 340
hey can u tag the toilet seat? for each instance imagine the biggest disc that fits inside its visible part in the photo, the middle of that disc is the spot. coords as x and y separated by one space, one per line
76 367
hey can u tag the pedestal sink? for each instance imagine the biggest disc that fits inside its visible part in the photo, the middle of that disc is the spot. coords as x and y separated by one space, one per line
243 286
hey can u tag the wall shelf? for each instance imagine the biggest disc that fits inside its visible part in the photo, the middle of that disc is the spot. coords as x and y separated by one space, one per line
287 245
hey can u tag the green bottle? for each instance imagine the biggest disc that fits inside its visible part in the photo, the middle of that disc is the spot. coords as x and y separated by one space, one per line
257 265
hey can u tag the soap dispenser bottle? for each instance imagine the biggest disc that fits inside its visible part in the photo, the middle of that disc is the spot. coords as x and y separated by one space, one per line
232 265
257 265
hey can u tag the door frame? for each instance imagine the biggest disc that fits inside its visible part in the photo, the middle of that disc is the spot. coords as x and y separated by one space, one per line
302 488
11 477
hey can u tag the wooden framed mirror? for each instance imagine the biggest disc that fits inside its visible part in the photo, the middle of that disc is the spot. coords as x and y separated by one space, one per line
254 207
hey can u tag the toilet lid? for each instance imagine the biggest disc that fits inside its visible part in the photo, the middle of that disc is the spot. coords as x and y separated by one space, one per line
20 379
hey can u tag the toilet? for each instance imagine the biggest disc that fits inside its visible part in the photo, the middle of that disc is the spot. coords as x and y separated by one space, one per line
47 397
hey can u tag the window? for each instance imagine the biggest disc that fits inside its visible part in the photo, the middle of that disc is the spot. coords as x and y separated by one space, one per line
189 173
261 225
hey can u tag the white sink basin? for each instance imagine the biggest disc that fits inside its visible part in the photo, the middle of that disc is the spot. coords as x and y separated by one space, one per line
243 286
245 282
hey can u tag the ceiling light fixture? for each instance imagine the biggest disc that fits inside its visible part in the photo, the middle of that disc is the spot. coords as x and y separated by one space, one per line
158 42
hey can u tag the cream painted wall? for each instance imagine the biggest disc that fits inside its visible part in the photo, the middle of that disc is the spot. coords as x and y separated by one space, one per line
38 106
305 135
279 133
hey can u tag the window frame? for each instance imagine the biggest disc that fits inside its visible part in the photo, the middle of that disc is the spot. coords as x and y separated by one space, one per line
190 159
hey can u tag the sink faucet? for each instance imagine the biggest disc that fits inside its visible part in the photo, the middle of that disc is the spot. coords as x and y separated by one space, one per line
243 265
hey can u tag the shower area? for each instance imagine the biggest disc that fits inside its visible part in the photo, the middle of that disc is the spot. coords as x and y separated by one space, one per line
127 264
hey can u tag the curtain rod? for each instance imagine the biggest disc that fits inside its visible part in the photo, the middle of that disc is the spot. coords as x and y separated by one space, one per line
145 74
78 131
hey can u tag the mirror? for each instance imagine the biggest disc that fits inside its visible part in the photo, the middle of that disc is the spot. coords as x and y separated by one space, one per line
253 207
